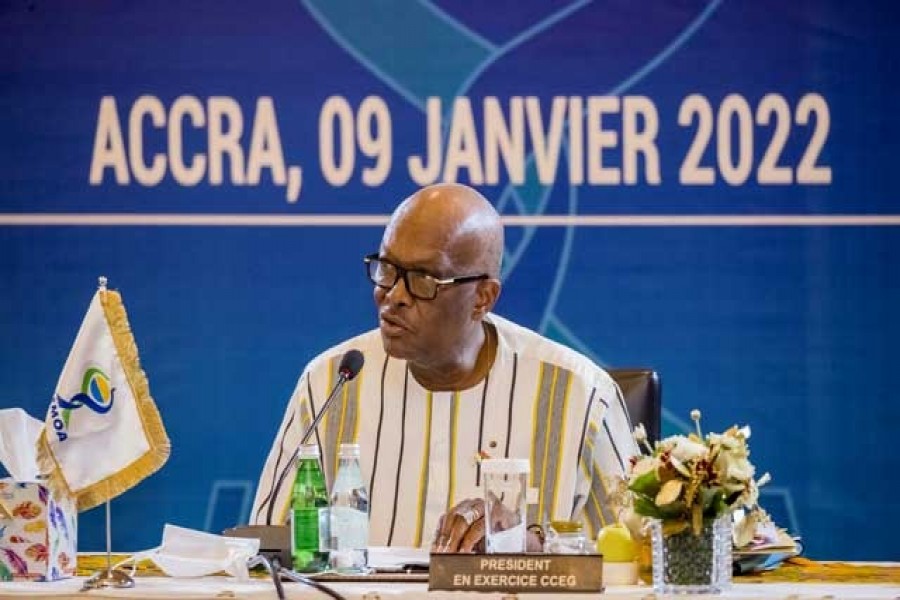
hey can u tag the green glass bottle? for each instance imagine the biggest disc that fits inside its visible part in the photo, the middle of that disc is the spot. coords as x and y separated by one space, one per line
307 497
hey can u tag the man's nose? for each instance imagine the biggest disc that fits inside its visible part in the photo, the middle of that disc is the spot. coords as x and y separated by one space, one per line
399 294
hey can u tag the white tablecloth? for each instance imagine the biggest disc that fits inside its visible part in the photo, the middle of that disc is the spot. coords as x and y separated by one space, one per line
223 587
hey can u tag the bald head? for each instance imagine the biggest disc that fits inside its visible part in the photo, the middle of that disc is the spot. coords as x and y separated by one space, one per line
460 220
447 232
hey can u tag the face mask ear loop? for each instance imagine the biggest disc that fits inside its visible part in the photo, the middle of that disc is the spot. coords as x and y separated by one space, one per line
134 559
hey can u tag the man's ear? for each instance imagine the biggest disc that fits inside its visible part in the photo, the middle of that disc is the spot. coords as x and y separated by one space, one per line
486 295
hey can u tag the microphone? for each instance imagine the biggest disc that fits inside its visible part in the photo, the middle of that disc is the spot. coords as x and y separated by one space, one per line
350 366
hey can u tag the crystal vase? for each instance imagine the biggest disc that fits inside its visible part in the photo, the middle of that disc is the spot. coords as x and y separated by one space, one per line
685 563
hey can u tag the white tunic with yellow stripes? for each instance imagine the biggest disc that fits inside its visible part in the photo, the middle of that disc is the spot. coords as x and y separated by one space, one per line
540 401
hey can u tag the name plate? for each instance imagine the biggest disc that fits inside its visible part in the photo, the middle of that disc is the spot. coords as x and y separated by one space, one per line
518 573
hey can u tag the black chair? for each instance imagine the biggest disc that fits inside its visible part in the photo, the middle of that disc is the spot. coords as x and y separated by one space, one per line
643 397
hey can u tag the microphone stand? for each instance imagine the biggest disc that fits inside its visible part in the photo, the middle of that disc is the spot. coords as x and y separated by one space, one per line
343 377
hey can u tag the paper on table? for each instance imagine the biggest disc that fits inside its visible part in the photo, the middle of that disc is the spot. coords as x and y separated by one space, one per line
765 536
768 548
777 539
397 558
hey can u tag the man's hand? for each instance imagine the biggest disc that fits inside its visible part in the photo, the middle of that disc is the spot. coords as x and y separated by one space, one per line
461 529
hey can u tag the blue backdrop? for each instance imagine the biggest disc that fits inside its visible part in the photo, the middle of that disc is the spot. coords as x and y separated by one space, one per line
705 187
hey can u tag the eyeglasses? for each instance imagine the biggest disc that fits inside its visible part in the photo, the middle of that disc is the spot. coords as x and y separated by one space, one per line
419 284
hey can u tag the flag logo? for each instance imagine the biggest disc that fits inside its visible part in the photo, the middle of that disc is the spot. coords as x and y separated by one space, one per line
96 393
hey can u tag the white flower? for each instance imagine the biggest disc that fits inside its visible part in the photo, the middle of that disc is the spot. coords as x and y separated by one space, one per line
745 530
733 467
750 496
733 441
686 450
640 433
740 469
643 465
695 417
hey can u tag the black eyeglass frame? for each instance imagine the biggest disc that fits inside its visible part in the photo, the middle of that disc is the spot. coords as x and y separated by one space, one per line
402 273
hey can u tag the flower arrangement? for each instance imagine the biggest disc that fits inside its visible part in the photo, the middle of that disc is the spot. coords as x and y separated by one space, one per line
685 481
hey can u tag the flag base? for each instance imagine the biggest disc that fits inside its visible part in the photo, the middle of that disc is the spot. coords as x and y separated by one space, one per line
109 578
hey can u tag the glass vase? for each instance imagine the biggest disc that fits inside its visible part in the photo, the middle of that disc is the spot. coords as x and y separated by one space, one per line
685 563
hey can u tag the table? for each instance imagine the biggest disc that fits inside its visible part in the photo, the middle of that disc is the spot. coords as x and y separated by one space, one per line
226 587
798 579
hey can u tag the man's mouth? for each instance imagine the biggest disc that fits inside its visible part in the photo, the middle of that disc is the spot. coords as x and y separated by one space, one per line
392 326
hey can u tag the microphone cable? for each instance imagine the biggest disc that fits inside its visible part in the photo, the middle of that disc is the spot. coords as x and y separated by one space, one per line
297 577
277 572
259 559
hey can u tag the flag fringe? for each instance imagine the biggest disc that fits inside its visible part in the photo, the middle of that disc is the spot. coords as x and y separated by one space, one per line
155 457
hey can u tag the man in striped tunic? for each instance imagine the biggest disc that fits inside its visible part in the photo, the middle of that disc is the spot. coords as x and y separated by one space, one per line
447 381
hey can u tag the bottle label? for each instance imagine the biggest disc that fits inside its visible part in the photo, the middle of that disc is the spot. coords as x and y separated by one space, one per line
305 527
349 528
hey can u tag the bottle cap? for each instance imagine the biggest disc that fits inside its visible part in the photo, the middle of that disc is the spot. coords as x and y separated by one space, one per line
309 451
348 451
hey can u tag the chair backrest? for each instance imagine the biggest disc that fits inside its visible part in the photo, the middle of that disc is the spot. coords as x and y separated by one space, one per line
643 397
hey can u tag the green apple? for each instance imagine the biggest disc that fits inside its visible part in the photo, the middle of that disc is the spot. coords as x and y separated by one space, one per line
616 544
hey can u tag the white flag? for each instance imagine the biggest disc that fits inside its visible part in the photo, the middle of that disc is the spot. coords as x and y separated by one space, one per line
103 433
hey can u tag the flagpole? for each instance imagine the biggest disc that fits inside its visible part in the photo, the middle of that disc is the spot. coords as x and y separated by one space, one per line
109 577
108 537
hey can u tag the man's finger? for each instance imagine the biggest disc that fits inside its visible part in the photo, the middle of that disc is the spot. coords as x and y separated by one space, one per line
455 523
473 536
452 528
457 533
445 530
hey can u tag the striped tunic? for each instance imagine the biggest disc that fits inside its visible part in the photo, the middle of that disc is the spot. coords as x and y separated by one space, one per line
541 401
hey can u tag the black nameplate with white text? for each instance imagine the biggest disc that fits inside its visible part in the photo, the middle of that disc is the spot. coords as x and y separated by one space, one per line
519 573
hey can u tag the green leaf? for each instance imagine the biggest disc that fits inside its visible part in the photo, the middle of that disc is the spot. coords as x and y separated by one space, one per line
647 484
674 527
717 505
673 509
709 495
645 506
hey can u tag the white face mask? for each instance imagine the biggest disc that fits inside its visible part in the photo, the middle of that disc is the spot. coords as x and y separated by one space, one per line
190 553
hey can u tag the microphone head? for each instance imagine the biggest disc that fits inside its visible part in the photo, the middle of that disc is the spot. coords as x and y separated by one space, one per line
351 364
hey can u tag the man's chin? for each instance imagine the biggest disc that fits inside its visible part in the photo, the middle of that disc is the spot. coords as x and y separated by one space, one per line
395 347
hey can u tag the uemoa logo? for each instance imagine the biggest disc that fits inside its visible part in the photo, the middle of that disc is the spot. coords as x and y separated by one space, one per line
96 394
